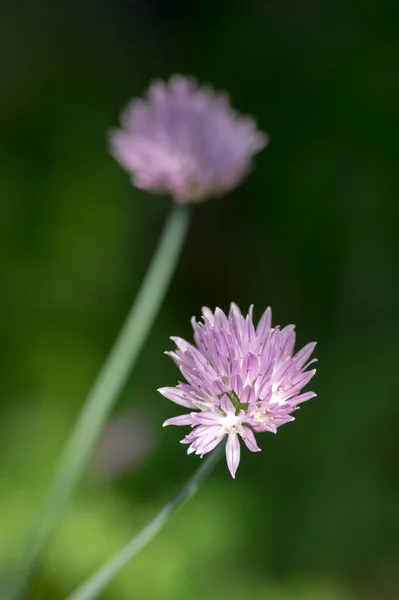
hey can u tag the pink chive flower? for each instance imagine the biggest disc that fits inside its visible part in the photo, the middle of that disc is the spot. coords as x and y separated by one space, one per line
241 380
185 140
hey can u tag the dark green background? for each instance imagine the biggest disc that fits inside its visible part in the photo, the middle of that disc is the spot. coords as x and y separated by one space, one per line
313 232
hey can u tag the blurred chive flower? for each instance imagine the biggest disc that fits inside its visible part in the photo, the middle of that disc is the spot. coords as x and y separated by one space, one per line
185 140
241 380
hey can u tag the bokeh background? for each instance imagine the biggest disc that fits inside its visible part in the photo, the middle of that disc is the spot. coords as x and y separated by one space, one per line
313 232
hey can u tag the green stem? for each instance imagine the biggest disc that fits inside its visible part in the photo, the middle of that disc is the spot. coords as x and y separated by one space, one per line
96 584
105 390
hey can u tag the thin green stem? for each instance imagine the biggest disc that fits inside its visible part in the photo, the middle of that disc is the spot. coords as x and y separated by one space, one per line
105 390
95 584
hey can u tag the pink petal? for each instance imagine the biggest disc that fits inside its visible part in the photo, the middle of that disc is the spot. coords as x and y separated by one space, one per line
181 344
303 397
221 321
208 315
264 323
181 420
309 363
178 396
208 444
300 381
233 453
227 406
302 356
237 321
208 418
288 340
249 440
250 367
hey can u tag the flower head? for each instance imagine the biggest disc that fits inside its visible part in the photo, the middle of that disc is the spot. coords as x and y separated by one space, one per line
241 380
185 140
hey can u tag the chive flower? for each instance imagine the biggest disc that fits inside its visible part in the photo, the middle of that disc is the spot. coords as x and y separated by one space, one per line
241 380
185 140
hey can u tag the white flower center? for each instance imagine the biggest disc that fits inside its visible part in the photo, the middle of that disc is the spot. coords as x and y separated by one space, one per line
231 423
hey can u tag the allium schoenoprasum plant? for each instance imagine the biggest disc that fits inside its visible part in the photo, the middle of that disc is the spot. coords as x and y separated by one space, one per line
242 380
185 140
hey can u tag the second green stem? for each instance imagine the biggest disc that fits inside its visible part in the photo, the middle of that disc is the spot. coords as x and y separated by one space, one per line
96 584
106 388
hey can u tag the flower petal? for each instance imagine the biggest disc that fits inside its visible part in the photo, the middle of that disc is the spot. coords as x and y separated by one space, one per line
176 395
302 356
208 418
207 444
249 439
303 397
181 420
264 324
233 453
227 406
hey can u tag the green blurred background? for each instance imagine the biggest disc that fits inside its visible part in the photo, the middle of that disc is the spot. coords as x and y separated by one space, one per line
313 232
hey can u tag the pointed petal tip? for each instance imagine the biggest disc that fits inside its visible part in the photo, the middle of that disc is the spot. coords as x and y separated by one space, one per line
164 390
205 309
